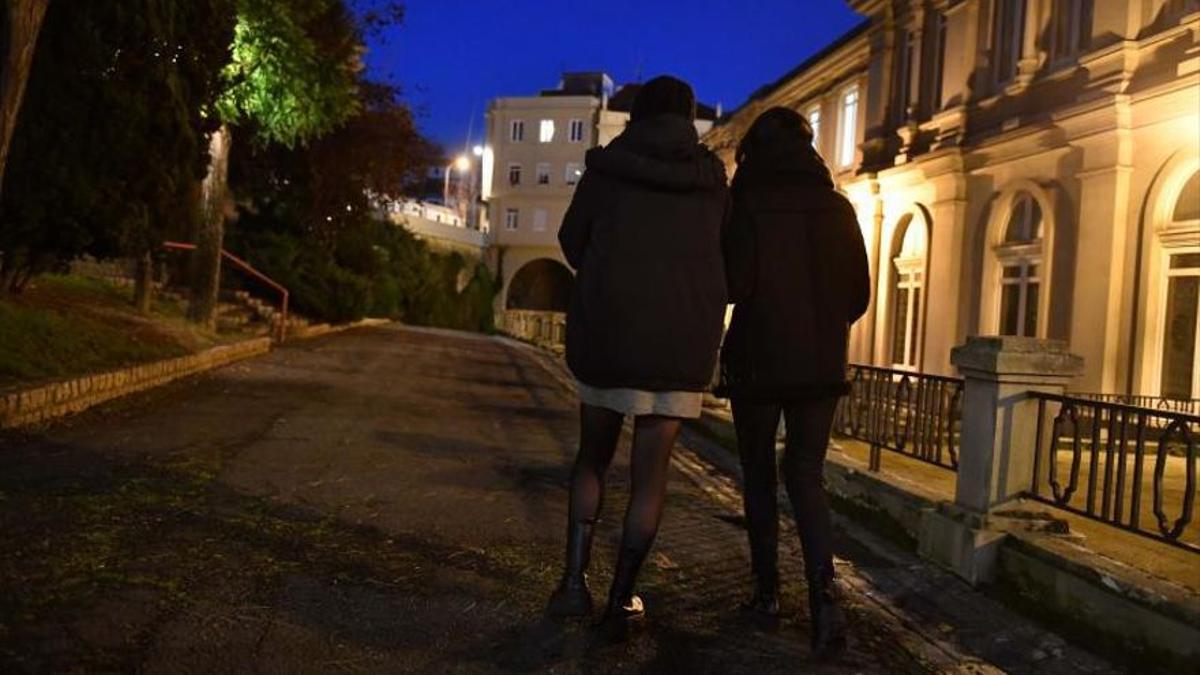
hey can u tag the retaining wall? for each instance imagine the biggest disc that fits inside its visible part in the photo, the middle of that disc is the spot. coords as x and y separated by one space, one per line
71 396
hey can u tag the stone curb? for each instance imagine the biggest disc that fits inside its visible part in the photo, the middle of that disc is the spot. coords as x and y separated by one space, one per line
46 402
58 399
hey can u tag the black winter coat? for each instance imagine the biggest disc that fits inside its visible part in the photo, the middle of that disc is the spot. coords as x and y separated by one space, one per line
644 234
798 275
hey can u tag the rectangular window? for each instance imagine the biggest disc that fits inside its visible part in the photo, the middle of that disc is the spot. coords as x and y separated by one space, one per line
905 60
514 174
814 121
1181 332
576 131
546 131
516 131
848 141
900 328
574 173
512 218
1010 308
543 174
1070 29
936 96
1020 289
1008 32
539 220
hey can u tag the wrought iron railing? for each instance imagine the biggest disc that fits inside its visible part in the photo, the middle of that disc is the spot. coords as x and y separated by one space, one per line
914 414
1189 406
1102 460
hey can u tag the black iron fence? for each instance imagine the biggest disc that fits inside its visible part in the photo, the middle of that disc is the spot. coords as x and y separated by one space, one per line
1189 406
914 414
1128 466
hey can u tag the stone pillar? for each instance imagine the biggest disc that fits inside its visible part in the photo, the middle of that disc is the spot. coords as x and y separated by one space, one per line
996 456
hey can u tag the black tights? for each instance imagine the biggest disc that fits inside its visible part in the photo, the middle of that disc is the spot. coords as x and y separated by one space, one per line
808 426
653 438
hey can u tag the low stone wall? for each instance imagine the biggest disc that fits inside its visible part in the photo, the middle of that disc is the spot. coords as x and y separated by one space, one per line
319 329
71 396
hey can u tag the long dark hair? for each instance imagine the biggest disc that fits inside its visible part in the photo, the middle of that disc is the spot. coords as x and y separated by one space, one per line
779 145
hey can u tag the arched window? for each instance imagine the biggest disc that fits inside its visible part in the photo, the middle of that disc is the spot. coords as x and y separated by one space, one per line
1181 327
1020 257
908 291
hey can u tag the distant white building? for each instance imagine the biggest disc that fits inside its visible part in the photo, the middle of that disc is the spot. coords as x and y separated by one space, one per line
532 161
440 226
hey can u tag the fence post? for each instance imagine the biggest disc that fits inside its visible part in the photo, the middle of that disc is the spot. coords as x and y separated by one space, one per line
996 456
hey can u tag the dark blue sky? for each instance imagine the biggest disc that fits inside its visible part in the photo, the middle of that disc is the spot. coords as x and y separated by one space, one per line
452 56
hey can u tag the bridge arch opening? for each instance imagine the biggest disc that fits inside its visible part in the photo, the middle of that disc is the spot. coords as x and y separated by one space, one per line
541 285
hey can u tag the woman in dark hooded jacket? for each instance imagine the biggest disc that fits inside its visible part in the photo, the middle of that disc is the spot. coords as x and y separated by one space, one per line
643 233
797 273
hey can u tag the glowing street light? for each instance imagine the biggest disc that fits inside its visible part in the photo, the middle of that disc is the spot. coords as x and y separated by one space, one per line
477 151
462 164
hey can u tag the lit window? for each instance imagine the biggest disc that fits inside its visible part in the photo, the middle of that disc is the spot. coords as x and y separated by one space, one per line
514 174
1008 31
814 121
908 290
516 132
576 131
512 218
539 220
543 174
574 173
546 131
1020 256
848 142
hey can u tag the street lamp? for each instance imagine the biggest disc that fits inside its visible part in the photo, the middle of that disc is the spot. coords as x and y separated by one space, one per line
462 163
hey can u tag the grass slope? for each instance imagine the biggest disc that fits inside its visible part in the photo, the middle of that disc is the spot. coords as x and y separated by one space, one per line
66 326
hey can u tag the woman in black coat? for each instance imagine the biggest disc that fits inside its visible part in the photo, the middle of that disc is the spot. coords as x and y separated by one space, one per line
797 272
644 234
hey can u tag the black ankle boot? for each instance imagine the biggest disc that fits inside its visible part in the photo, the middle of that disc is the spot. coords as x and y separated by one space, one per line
572 597
765 600
624 608
828 620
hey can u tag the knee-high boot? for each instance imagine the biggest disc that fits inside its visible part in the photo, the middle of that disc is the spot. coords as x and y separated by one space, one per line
764 559
572 598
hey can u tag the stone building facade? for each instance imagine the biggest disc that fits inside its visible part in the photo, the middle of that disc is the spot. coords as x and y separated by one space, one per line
532 161
1023 167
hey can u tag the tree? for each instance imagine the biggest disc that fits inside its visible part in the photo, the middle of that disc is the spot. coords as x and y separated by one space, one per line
22 23
111 145
292 78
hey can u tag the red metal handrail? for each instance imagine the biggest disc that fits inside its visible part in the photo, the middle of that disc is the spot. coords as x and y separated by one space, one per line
248 269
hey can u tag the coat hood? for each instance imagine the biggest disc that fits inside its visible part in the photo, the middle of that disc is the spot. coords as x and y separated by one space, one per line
790 163
664 152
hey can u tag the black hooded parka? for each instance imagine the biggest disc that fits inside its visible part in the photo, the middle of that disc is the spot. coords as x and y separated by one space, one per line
644 234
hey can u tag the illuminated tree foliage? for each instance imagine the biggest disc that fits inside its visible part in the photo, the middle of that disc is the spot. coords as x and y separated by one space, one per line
293 77
293 72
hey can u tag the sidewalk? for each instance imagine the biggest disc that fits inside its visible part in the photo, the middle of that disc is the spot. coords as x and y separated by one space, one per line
933 614
1167 563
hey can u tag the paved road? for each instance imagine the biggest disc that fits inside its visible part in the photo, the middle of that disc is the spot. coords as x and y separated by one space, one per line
387 500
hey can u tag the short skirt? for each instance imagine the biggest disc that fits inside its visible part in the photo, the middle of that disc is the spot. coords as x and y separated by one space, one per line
684 404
